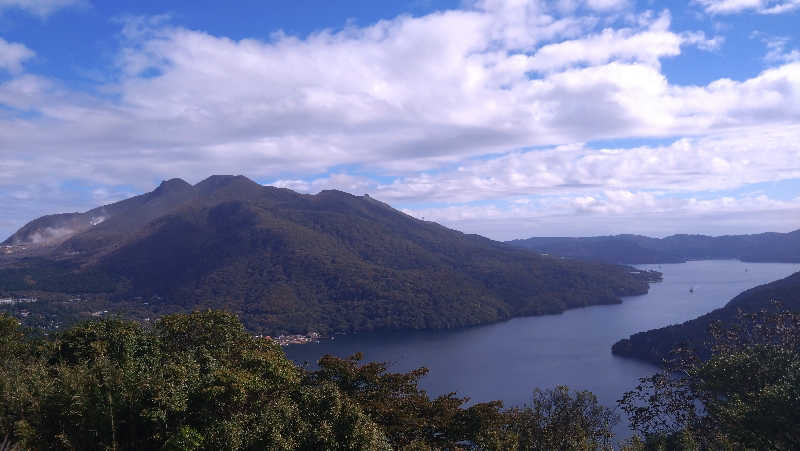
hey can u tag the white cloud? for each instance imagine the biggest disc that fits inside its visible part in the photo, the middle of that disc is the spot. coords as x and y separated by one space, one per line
616 212
699 39
42 8
410 97
410 93
340 181
712 163
626 44
644 45
777 52
759 6
569 6
685 186
13 55
605 5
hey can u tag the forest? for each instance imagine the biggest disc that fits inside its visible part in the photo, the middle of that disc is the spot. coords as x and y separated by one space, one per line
292 263
200 381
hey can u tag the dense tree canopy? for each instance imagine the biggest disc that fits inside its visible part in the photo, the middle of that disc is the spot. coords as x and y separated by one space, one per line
199 381
190 382
745 396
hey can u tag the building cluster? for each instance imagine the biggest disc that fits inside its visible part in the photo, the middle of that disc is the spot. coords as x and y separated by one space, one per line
11 301
296 339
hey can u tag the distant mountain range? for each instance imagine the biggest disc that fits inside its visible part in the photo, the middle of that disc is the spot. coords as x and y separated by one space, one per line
288 262
654 345
637 249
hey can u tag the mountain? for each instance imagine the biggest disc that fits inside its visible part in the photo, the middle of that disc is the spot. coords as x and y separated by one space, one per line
654 345
291 262
102 225
637 249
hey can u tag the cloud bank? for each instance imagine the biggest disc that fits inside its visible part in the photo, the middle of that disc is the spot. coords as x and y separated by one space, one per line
490 103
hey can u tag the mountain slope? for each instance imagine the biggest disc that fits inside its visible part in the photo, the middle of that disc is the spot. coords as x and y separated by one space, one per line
636 249
105 224
654 345
292 262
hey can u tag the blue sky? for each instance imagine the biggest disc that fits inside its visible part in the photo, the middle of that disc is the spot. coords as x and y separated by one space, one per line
506 118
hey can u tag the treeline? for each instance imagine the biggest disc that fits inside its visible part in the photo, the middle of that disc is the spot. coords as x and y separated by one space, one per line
638 249
200 381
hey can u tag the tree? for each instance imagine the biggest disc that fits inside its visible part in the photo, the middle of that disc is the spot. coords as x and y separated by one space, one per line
556 419
394 400
199 381
195 381
746 395
562 419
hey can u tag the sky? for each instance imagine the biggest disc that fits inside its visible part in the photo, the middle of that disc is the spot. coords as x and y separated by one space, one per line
509 118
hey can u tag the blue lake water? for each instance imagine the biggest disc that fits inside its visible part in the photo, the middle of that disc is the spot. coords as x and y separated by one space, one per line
507 360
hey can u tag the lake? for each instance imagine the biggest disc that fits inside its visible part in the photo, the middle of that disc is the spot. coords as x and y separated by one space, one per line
507 360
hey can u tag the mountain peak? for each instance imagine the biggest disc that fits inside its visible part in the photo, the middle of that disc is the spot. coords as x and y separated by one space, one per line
173 182
296 262
215 182
229 187
222 179
172 185
335 193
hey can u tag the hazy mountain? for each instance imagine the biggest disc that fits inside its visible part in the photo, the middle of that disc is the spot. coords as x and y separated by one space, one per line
656 344
294 262
636 249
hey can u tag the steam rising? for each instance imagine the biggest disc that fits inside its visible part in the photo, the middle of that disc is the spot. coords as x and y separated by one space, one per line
50 235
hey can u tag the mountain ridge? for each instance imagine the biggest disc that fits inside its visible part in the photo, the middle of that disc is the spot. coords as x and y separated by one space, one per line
679 248
296 262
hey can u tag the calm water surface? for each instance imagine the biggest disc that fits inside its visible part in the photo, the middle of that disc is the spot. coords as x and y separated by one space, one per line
507 360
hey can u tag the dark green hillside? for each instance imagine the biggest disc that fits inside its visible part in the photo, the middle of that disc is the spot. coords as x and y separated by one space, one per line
294 263
339 262
655 345
636 249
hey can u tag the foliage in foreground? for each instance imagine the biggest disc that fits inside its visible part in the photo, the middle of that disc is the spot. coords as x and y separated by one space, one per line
746 396
200 381
191 382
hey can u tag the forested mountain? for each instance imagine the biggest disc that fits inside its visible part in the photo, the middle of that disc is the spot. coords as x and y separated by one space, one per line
291 262
637 249
655 345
